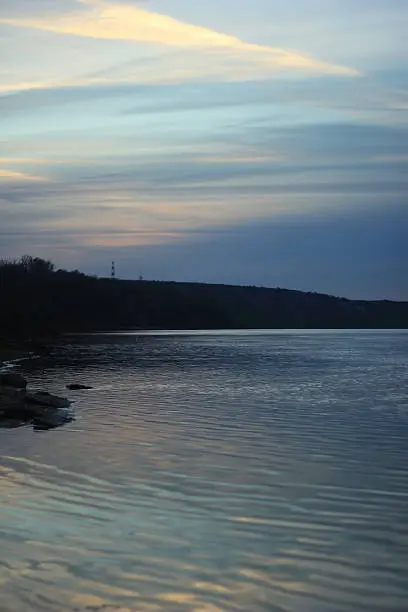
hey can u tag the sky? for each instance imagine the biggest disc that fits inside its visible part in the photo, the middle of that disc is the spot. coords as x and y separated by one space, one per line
256 142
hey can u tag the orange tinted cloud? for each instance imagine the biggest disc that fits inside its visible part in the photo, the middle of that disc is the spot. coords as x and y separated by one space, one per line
105 20
11 175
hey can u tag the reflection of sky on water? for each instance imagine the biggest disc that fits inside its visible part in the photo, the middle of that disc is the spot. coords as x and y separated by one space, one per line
208 474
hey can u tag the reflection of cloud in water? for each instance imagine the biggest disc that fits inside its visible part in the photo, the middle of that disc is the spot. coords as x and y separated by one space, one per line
75 541
204 477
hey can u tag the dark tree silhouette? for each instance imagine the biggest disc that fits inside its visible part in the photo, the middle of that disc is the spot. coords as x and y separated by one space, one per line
37 301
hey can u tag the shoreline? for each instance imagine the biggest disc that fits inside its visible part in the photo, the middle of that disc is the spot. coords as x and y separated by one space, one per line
17 349
12 353
10 364
9 356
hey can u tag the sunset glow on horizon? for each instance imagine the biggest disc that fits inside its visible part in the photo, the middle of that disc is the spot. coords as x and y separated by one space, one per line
175 136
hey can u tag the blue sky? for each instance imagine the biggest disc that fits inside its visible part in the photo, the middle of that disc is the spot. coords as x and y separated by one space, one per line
253 142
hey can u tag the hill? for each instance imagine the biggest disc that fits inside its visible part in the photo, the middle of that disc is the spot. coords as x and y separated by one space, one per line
37 300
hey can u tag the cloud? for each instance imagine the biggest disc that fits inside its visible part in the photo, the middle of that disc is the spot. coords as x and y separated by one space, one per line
353 98
13 176
349 141
390 159
194 210
6 88
261 164
365 253
154 202
18 7
28 161
224 55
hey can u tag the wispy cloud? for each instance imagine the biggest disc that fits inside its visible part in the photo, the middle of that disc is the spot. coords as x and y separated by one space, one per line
105 20
11 175
389 159
6 88
29 161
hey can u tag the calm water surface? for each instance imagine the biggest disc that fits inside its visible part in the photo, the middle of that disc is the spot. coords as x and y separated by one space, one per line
211 472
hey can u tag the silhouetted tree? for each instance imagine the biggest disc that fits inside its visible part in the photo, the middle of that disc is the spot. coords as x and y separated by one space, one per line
37 300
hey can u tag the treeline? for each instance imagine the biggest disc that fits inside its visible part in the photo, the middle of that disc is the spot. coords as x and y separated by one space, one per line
36 300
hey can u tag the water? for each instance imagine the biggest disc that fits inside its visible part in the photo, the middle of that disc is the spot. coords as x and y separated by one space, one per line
210 472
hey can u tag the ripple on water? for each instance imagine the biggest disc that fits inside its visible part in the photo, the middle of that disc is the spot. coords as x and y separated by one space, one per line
208 473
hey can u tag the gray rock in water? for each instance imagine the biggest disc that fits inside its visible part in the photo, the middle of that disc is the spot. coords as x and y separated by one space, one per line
43 398
51 419
77 387
13 380
39 408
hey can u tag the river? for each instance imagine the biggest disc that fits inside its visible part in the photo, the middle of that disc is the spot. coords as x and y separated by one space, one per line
261 471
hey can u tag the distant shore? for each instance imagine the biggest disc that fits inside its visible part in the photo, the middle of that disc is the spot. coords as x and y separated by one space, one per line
57 302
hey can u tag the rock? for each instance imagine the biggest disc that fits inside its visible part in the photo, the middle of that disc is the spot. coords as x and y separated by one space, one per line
51 419
76 387
7 393
42 398
39 408
11 400
13 380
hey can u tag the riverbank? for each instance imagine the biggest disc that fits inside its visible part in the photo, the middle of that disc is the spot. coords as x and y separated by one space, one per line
11 353
59 302
11 350
14 351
